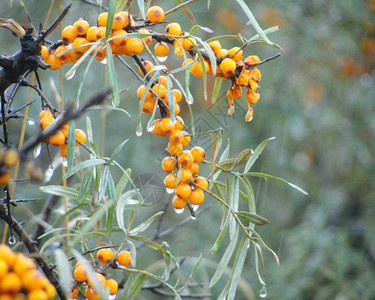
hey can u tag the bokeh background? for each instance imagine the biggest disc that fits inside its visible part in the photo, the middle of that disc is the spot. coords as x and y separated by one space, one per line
317 99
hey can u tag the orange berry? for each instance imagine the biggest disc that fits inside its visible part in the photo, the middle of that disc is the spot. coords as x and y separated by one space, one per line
64 150
147 39
91 34
51 291
179 125
194 169
160 90
157 130
4 178
176 137
249 115
177 47
124 258
45 113
81 262
235 53
196 197
179 203
186 176
183 190
170 181
101 54
198 154
33 280
252 60
44 52
173 29
91 295
148 105
198 71
134 46
80 42
74 293
99 277
140 91
113 286
7 255
81 27
121 41
100 32
80 137
148 66
118 22
38 294
188 62
188 43
10 283
79 274
222 53
11 157
45 122
186 139
102 19
64 58
255 74
155 14
4 268
177 95
174 149
228 67
166 126
57 139
201 181
215 46
128 18
54 61
162 80
185 159
23 264
104 255
169 164
252 97
69 34
161 49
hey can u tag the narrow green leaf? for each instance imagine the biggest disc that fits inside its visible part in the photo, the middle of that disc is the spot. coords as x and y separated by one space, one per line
109 107
219 239
260 241
62 191
112 207
112 77
145 224
253 218
71 144
184 68
141 7
83 165
211 55
194 270
54 239
120 5
216 89
136 287
85 185
149 243
89 130
117 151
258 150
111 14
171 102
70 211
259 265
234 201
242 158
216 145
65 274
197 27
187 12
121 207
120 186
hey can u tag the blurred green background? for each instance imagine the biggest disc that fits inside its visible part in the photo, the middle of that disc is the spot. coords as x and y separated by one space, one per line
317 99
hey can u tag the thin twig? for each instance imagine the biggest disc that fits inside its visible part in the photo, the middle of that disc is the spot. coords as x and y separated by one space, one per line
179 6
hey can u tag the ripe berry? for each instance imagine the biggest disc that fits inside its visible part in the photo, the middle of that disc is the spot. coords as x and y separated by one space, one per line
161 49
7 255
38 294
185 159
148 66
69 34
194 169
170 181
10 283
53 61
118 22
179 125
188 43
79 43
121 41
198 71
45 113
201 181
169 164
81 27
148 105
222 53
252 60
11 157
44 52
176 137
198 154
166 126
128 18
79 274
196 196
215 46
147 39
91 295
99 278
162 80
64 150
186 139
235 53
177 95
74 293
57 139
174 149
183 190
173 29
80 137
100 32
179 203
228 67
113 286
4 268
177 47
45 122
64 58
4 178
155 14
102 19
134 46
91 34
157 130
124 258
104 255
186 176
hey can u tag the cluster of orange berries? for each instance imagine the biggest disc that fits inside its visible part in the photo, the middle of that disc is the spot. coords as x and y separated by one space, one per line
59 139
8 158
19 278
104 255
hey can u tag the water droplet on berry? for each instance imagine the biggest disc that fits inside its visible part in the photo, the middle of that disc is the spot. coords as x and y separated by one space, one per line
170 191
71 76
263 292
194 207
37 150
104 61
179 210
162 58
64 161
151 127
12 240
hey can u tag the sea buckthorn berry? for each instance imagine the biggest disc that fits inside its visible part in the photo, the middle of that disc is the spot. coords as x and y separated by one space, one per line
249 115
64 150
236 92
147 39
64 58
102 19
194 169
169 164
45 113
177 109
228 67
177 47
140 91
79 274
45 122
100 32
243 79
121 41
10 283
44 52
162 80
23 264
196 197
124 258
170 181
91 34
4 178
253 85
91 295
7 255
255 74
215 46
174 149
252 60
161 49
183 190
81 263
235 53
38 294
177 95
80 42
57 139
186 176
155 14
185 159
118 22
148 66
74 293
222 53
252 97
69 34
148 106
176 137
104 255
179 125
173 29
112 285
186 139
128 18
54 61
134 46
201 181
50 290
81 27
99 278
4 268
80 137
188 43
166 126
101 54
188 62
157 130
198 71
198 154
179 203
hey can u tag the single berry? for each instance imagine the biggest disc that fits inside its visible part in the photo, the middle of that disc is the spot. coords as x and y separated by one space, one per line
179 203
69 34
198 154
124 258
215 46
194 169
81 27
57 139
183 190
161 49
104 255
235 53
79 274
155 14
196 197
102 19
201 181
118 22
185 159
173 29
134 46
170 181
186 176
228 67
74 293
166 126
174 149
112 285
80 137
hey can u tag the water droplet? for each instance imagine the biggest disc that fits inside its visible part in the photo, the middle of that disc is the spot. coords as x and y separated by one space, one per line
170 191
12 240
263 292
37 150
194 207
31 122
112 296
162 58
193 217
71 76
179 211
48 174
189 100
139 131
151 127
104 61
64 161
